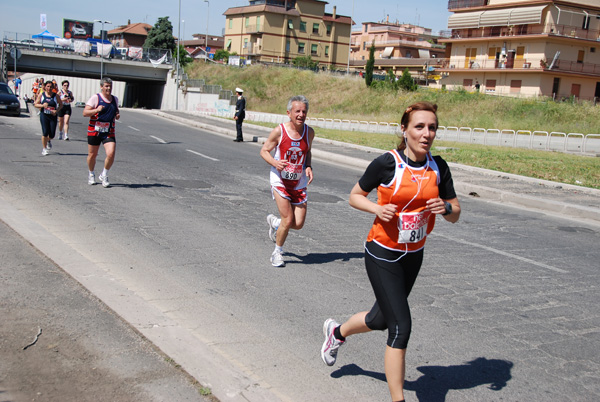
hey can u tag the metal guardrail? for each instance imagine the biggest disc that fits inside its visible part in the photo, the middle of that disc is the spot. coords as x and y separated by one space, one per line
539 140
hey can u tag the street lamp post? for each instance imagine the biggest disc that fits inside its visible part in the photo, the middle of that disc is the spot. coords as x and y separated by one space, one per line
350 43
206 40
178 43
102 42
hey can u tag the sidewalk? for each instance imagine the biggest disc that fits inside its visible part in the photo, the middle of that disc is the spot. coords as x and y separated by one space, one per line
60 343
545 196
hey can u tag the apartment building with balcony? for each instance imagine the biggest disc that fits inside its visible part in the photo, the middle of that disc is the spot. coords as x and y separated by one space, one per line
524 48
397 47
278 31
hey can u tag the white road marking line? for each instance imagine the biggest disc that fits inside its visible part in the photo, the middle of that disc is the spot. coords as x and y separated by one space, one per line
504 253
133 128
202 155
159 139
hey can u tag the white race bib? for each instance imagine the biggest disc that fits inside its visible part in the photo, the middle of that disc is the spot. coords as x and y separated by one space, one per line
412 226
102 126
291 172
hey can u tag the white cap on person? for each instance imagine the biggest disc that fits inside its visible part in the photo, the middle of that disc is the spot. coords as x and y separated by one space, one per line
240 90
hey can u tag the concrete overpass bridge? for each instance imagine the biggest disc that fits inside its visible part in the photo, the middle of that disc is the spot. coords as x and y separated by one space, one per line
144 81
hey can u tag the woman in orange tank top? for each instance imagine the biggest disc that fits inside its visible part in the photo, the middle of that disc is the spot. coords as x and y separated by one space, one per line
413 187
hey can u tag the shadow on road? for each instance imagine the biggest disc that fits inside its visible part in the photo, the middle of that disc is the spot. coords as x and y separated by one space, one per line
321 258
436 381
134 185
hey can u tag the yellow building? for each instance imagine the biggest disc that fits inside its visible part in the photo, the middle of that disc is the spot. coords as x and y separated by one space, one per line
278 31
524 48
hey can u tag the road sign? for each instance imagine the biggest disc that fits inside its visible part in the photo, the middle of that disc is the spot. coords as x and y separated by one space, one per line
15 53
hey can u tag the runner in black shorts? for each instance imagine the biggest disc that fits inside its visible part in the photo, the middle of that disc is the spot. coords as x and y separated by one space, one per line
64 114
49 104
103 110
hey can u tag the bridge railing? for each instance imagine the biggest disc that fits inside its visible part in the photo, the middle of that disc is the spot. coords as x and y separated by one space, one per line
61 45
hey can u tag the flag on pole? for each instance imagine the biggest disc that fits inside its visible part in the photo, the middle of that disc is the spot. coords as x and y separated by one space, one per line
43 24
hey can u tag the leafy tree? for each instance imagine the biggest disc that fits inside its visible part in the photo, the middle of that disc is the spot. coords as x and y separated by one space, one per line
222 54
305 61
391 81
406 82
184 56
161 36
370 65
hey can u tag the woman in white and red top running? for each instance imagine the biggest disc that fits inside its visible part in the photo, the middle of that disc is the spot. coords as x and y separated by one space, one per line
291 173
413 187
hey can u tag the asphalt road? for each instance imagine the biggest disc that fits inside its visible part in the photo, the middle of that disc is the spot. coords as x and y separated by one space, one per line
505 307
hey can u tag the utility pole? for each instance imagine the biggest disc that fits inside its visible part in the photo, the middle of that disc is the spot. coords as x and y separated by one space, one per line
206 40
178 43
102 42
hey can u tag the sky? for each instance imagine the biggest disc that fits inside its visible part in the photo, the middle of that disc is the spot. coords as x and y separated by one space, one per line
25 18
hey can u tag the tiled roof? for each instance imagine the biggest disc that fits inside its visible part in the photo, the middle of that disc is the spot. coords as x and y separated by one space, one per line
138 28
260 9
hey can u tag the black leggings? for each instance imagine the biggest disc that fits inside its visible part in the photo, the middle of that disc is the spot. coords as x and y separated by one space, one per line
392 283
48 125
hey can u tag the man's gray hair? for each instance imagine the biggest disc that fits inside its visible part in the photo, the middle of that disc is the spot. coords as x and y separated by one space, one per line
297 98
105 80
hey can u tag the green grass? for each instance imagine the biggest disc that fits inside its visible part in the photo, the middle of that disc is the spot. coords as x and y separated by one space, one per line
267 89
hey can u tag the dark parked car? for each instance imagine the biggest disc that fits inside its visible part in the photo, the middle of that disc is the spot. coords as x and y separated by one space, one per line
9 103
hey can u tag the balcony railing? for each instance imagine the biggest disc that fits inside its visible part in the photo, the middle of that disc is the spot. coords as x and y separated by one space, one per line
521 64
454 4
400 43
522 30
575 67
254 29
461 64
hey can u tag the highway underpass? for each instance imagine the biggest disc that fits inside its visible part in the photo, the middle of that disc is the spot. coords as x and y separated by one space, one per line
145 81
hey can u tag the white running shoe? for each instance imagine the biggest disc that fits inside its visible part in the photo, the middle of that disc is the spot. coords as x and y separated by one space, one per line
60 135
104 180
272 228
331 345
66 137
45 152
277 259
49 145
91 179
